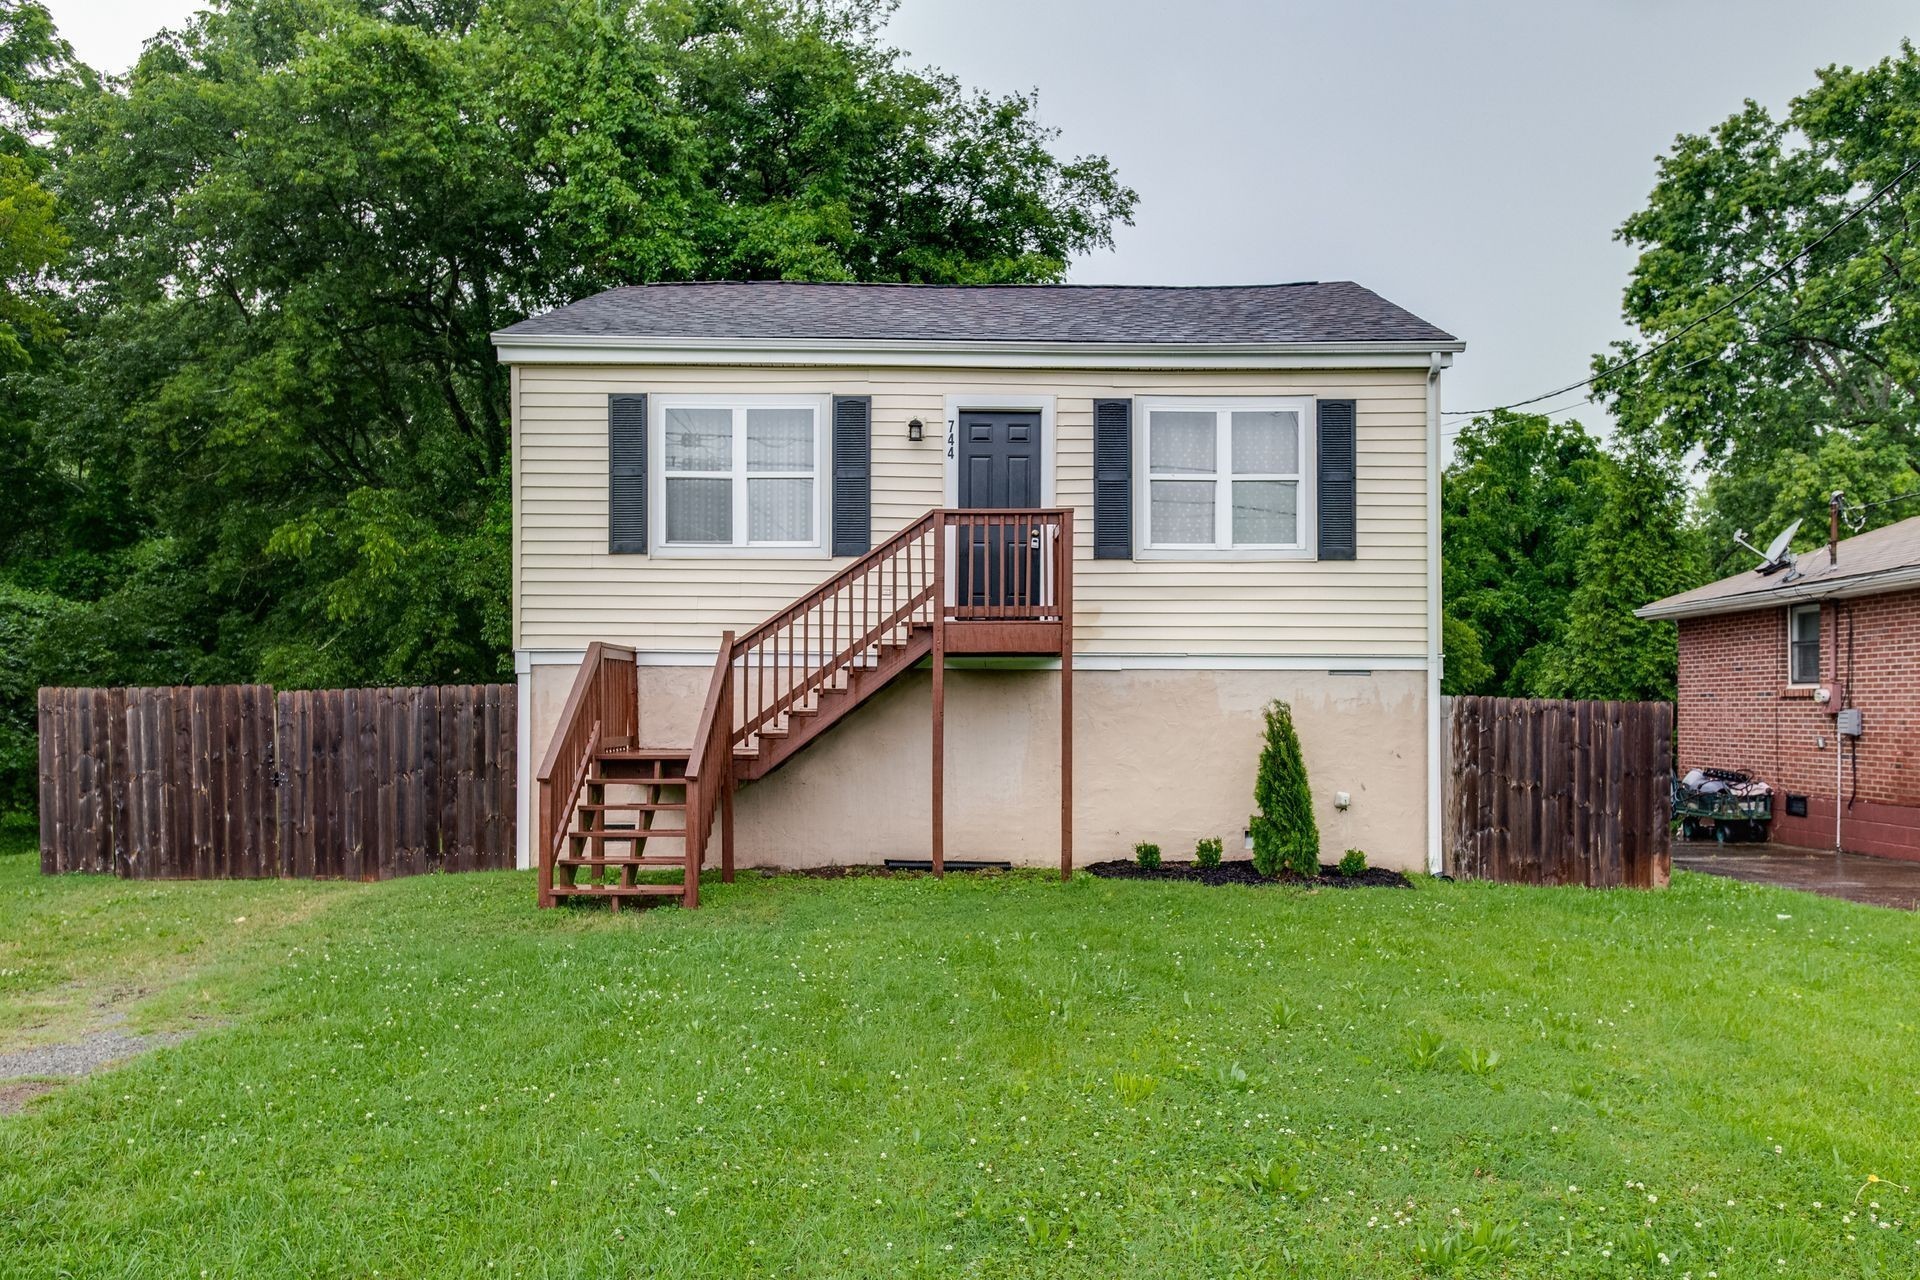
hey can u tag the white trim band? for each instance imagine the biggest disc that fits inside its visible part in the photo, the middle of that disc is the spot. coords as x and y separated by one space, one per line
524 660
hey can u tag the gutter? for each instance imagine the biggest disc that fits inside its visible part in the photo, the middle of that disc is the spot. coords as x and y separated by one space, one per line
1436 650
1863 584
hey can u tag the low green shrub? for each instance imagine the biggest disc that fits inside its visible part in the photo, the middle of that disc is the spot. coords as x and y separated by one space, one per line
1353 862
1147 854
1207 852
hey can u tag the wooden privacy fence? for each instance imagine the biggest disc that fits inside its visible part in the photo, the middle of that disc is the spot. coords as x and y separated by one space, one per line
1558 792
232 781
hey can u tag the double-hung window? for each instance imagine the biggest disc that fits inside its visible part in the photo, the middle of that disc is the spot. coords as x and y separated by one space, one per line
744 473
1803 644
1227 475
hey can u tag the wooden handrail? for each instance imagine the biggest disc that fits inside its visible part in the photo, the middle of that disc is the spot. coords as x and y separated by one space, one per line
585 682
847 573
602 706
710 710
781 667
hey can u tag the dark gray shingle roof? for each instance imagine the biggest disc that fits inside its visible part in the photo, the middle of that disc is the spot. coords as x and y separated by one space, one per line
1336 311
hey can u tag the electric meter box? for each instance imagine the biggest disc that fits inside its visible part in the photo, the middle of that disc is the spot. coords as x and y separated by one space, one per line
1849 722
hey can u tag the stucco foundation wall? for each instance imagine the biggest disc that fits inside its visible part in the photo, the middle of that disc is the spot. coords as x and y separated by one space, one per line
1161 755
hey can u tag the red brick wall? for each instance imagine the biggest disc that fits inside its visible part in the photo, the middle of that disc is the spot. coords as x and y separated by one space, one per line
1736 711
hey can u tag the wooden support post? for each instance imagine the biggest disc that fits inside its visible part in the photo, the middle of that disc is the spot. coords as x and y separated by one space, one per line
543 842
939 694
726 828
724 727
1064 587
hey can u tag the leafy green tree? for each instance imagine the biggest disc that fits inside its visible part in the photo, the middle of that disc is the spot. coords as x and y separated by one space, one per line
276 434
1786 372
1762 497
1638 550
37 74
1467 669
1516 503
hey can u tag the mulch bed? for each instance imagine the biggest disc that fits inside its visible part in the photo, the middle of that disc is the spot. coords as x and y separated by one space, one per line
1240 871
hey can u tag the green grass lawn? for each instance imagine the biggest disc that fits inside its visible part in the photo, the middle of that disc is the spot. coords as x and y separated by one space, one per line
991 1077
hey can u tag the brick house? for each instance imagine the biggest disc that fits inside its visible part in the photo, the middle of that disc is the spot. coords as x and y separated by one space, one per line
1769 660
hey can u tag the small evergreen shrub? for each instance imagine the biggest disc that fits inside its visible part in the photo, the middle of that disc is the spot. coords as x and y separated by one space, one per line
1147 854
1207 852
1353 862
1284 832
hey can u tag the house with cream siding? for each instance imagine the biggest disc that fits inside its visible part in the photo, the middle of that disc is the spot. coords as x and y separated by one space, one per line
1047 551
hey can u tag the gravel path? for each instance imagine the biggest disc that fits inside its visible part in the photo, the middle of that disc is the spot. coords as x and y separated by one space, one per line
72 1059
81 1057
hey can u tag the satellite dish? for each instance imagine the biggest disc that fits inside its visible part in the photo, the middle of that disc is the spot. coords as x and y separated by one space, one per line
1777 549
1776 557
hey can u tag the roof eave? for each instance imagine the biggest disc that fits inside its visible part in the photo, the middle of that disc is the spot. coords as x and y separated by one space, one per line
1864 584
526 348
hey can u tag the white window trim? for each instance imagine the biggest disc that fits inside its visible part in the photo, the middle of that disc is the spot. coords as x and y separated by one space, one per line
1819 626
816 549
997 402
1223 407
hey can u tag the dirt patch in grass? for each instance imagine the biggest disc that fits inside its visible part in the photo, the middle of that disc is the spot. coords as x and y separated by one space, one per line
15 1097
1240 871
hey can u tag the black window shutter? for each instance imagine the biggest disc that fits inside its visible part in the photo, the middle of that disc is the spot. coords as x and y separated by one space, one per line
852 475
1339 537
627 475
1113 479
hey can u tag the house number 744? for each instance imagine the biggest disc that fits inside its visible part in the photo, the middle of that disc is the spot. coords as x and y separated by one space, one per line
952 435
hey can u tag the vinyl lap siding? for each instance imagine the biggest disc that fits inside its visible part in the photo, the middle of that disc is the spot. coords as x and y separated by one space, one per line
570 591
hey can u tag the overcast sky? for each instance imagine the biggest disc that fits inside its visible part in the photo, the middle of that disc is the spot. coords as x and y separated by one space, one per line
1467 160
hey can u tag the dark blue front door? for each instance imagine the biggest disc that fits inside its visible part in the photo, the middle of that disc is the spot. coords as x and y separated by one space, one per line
999 469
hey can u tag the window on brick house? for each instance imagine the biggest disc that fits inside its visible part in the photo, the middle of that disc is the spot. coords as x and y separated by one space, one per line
1803 644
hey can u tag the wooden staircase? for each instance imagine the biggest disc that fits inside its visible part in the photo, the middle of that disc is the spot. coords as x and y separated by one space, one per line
614 816
609 840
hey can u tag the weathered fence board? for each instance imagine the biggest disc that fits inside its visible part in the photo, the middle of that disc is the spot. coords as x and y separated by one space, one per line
1558 792
83 797
198 770
234 781
390 782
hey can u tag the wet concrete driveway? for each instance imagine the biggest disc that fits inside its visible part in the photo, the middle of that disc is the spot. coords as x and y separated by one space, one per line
1883 882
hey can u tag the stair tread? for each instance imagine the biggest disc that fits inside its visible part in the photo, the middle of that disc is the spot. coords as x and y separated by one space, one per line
644 753
628 833
643 860
630 806
617 890
671 780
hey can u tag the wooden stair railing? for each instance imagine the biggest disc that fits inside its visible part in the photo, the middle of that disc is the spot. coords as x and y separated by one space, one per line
602 712
780 685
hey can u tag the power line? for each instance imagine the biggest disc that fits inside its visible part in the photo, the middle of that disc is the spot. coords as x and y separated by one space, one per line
1853 509
1718 311
1455 431
1591 398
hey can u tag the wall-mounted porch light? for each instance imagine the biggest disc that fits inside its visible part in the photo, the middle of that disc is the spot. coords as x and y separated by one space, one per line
916 430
